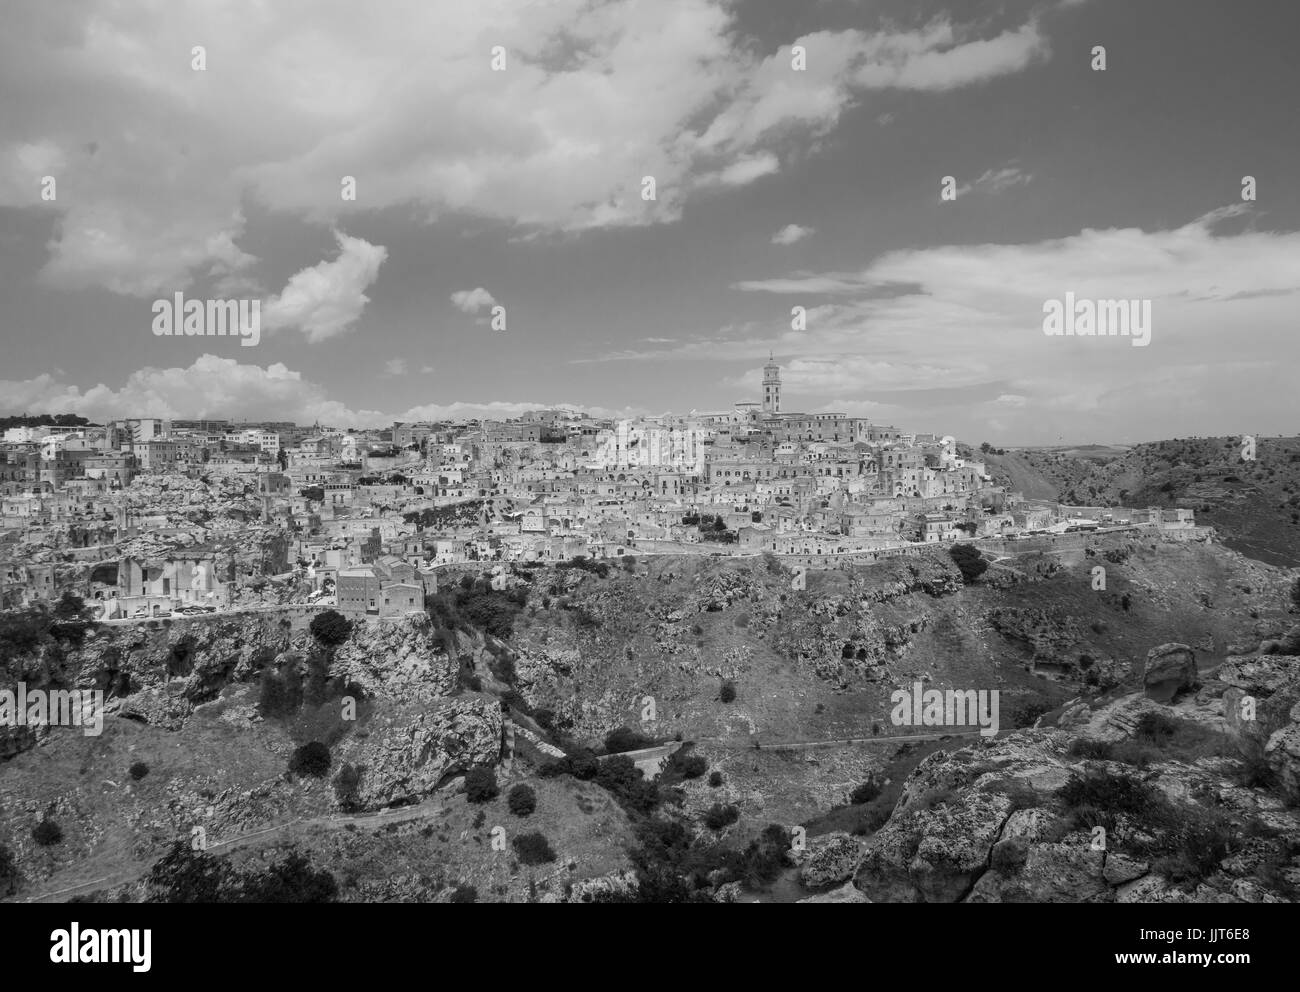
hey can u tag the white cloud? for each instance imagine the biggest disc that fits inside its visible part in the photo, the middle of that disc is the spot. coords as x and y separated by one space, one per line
594 98
936 59
472 300
210 387
791 233
965 322
326 299
395 366
997 180
504 409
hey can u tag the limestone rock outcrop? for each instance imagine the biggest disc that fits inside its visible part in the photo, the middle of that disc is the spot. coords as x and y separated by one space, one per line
1170 669
407 753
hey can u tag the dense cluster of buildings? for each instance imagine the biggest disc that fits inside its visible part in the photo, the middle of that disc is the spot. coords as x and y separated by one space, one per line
150 516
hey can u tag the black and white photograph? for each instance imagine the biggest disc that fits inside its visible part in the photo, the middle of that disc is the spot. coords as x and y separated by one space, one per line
650 452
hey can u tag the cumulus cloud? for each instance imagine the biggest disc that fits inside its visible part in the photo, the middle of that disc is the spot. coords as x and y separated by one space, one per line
395 366
594 98
472 300
791 233
222 387
504 409
211 387
938 58
326 299
947 325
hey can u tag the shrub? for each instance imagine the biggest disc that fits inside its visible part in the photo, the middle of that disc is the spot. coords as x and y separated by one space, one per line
310 759
554 768
865 792
622 739
522 800
464 893
720 816
715 779
47 833
138 770
1101 795
968 559
331 627
1156 727
693 765
584 765
1082 747
872 819
70 606
533 848
1026 712
187 876
728 692
481 784
292 880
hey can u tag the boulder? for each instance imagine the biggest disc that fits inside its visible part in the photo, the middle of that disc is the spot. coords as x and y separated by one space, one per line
1170 669
835 860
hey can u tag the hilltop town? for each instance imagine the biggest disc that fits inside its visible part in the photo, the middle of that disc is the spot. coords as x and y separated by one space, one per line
566 659
148 517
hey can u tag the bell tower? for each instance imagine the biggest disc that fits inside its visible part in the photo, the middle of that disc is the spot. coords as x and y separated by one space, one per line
771 386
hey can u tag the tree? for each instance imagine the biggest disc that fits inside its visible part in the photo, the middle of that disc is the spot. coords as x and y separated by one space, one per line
331 627
865 792
481 784
70 606
533 848
310 759
138 770
47 833
292 880
728 692
720 816
314 493
522 800
969 560
188 876
693 765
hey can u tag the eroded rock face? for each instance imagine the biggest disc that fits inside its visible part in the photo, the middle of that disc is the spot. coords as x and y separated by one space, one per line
1262 706
408 752
991 822
1170 669
164 706
396 659
834 859
621 884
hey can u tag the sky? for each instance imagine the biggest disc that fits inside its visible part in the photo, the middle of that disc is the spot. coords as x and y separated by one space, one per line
521 185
